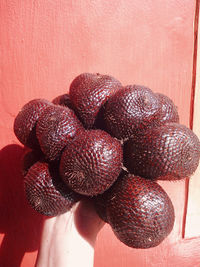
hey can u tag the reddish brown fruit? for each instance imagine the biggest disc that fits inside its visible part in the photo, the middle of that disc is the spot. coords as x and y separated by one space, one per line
88 92
169 112
171 151
100 207
63 100
91 163
140 212
46 192
56 127
100 201
131 109
30 157
25 122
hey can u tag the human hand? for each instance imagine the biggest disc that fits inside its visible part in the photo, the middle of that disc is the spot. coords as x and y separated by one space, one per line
69 239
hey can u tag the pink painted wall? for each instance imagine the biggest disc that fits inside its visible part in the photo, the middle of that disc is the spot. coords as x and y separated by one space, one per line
44 45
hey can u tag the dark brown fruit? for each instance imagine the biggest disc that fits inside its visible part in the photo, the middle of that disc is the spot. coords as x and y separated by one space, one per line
25 122
169 112
100 207
100 201
131 109
56 127
171 151
91 163
88 92
140 212
63 100
30 157
46 192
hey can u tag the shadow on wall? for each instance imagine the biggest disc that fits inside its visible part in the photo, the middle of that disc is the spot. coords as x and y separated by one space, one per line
18 221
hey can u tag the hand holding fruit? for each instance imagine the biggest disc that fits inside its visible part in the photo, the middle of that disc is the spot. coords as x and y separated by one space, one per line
68 239
109 144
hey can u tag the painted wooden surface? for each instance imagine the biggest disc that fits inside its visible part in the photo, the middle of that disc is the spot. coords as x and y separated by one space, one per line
44 45
193 207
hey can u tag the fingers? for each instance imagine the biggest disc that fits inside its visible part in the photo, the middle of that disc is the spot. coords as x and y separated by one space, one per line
87 221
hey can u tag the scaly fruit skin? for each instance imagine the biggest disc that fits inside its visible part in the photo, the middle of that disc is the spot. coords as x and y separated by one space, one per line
100 201
100 206
131 110
88 93
168 152
25 122
169 112
56 127
140 212
46 192
63 100
30 157
91 163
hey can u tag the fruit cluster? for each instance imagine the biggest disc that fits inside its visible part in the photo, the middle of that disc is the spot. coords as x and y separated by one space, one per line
109 143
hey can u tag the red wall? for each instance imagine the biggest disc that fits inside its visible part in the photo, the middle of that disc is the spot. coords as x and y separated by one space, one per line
44 45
